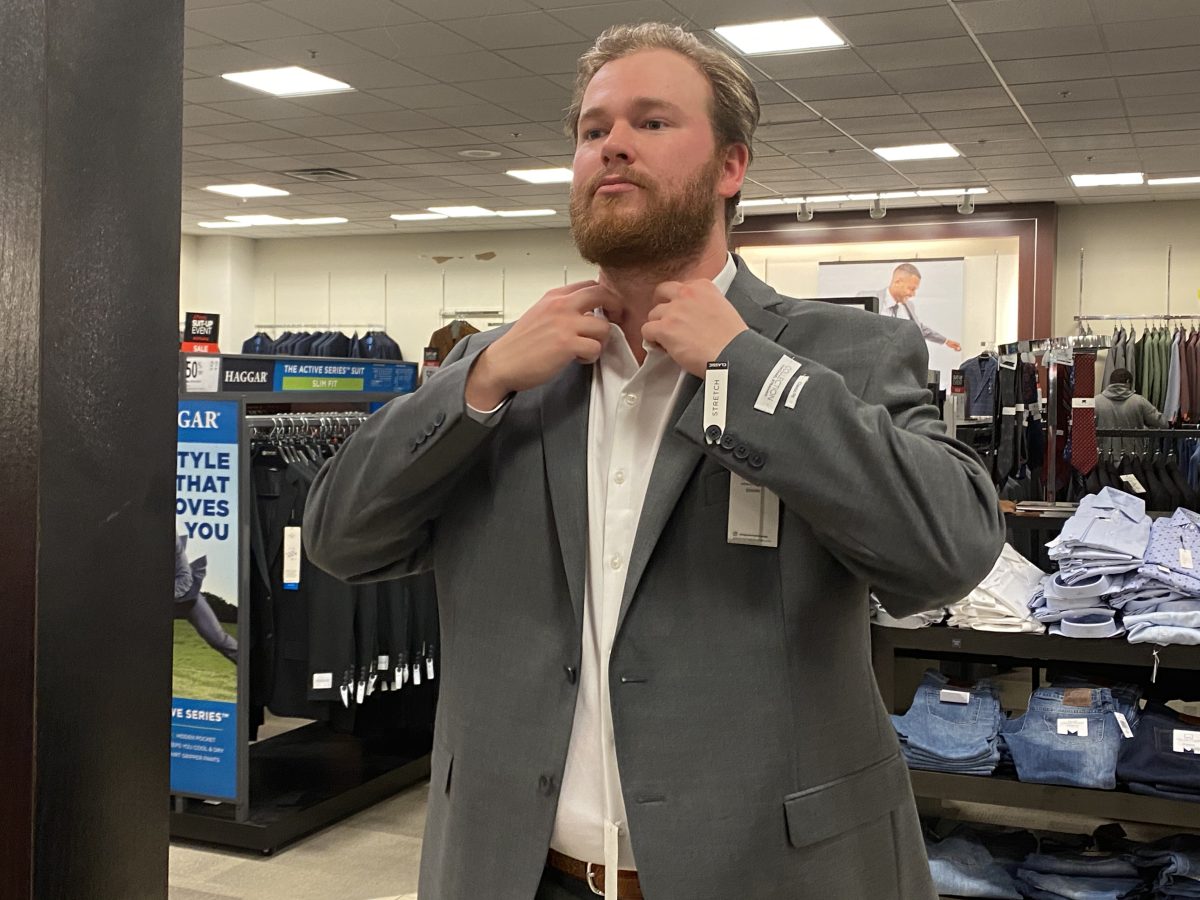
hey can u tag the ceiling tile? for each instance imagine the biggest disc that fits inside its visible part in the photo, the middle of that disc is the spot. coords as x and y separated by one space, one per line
425 96
838 87
369 141
312 51
1151 62
1160 138
453 68
985 16
1124 11
1047 171
353 102
774 134
893 105
875 125
292 146
265 110
1153 33
536 110
593 19
473 114
1158 106
1099 160
515 30
979 151
394 120
1013 161
900 25
1051 92
854 7
218 59
245 132
381 73
318 126
542 148
809 65
1067 68
1177 122
1076 128
974 118
245 22
401 41
194 114
438 137
920 54
457 9
1152 85
1066 111
1090 142
802 147
710 13
1170 159
345 15
934 165
554 59
987 133
529 87
968 75
1043 42
968 98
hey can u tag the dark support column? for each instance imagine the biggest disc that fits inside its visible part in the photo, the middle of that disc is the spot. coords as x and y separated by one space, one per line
90 126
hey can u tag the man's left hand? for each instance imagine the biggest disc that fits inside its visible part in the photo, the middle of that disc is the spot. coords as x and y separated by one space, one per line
693 322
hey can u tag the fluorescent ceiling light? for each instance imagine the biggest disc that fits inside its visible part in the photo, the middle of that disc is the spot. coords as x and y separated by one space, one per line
541 176
260 220
897 195
864 197
764 201
781 36
916 151
291 81
461 212
1109 179
323 220
516 213
951 192
1190 179
831 198
246 190
417 217
223 224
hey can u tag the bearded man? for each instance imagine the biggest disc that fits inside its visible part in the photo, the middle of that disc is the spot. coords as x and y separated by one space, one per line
656 677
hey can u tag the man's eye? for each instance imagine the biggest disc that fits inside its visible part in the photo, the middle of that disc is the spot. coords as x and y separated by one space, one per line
592 134
655 124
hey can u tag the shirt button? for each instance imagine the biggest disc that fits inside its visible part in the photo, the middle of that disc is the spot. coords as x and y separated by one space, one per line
619 476
572 674
631 399
615 562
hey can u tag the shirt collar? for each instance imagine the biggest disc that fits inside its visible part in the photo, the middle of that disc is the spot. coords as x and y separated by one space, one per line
1133 508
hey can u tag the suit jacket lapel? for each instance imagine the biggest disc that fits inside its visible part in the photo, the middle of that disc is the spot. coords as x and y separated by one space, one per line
677 457
565 408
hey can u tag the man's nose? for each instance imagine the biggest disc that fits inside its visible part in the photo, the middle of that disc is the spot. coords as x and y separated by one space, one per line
618 145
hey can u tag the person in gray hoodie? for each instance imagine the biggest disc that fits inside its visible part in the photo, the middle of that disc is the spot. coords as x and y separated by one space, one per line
1119 406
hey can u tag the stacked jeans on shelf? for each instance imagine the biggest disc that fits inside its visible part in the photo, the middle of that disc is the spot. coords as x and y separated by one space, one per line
950 729
1086 875
963 866
1071 735
1163 759
1099 546
1177 860
1001 601
1165 604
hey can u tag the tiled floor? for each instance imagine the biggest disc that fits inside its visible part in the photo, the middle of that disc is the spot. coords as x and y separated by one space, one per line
371 856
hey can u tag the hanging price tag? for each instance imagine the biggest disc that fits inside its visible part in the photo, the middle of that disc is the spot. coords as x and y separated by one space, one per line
1123 724
291 558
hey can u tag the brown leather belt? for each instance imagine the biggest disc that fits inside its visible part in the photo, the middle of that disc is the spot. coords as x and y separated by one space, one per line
628 886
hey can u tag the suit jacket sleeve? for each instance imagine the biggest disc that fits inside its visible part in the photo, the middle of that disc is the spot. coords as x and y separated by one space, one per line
897 501
371 510
928 333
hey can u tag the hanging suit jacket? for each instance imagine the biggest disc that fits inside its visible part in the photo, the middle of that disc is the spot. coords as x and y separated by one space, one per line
756 757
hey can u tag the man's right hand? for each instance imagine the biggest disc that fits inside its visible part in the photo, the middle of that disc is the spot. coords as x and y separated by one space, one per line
559 328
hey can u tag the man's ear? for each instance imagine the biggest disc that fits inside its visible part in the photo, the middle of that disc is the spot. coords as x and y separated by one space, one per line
733 169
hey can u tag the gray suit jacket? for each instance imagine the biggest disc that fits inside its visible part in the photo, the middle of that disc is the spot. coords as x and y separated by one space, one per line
756 758
905 310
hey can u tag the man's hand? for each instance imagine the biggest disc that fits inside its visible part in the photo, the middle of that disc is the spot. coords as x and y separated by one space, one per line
954 345
557 329
693 322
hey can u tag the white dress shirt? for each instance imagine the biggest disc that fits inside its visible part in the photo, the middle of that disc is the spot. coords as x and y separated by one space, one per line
630 410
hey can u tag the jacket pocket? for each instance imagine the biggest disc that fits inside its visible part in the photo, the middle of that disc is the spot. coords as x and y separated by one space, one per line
830 809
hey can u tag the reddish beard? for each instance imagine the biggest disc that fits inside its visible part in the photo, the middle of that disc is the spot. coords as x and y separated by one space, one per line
668 230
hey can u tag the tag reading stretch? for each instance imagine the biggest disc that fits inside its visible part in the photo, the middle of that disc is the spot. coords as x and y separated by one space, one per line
716 388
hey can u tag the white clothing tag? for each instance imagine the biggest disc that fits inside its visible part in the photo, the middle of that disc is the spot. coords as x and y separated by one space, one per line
772 388
398 678
716 388
344 690
612 859
291 558
794 393
1074 727
1083 403
405 674
429 668
416 674
360 693
1134 484
1020 407
381 663
1008 411
322 681
1185 558
371 684
951 696
1185 741
1123 724
753 514
1008 362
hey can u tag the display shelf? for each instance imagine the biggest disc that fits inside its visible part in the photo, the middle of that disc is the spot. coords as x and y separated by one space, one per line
1118 806
302 780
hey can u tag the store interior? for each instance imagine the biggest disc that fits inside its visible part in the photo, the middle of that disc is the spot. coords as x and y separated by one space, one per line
449 99
339 238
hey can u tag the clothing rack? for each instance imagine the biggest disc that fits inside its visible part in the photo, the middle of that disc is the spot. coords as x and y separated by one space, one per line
368 326
1137 318
307 420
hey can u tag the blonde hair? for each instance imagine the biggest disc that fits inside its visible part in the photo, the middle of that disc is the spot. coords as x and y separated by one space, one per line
735 109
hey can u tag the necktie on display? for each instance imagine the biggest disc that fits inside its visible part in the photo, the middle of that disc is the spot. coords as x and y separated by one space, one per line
1083 414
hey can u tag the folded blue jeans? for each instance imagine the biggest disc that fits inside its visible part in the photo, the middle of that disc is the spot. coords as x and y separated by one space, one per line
1152 759
1092 864
963 867
1076 887
1068 736
934 729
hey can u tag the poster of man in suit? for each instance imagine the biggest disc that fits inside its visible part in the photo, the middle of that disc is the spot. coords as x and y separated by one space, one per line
927 292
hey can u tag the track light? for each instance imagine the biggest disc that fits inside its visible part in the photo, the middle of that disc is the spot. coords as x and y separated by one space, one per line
804 212
877 209
966 205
